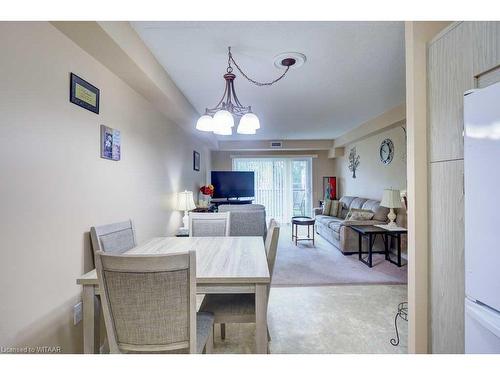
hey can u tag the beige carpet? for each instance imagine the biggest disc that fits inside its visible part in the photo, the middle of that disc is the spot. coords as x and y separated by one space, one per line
329 319
324 264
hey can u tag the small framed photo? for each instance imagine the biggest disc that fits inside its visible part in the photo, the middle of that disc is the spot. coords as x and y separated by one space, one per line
196 161
110 143
83 94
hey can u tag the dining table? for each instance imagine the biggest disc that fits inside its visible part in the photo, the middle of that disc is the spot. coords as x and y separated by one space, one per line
224 265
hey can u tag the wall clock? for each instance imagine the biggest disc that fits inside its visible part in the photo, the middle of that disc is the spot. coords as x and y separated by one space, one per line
386 151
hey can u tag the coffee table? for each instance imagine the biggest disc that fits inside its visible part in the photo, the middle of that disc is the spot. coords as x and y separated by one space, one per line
302 221
371 231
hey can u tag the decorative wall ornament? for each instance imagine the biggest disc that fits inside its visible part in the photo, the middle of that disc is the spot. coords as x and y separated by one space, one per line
386 151
353 161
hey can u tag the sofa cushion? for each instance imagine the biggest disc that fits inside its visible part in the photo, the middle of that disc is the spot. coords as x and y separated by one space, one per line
334 209
381 214
327 204
371 204
345 203
325 219
335 226
357 203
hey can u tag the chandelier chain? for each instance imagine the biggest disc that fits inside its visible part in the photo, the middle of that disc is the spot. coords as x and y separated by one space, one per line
230 69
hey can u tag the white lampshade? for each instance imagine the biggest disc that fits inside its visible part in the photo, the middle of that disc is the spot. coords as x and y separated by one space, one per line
250 121
185 201
223 119
205 123
391 199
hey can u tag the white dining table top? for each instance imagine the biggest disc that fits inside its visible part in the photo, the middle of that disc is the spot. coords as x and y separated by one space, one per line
219 260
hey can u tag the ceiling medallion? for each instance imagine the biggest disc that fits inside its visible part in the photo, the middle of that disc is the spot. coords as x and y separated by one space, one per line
221 118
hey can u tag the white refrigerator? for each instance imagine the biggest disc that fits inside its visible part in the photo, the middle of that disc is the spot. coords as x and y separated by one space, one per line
482 219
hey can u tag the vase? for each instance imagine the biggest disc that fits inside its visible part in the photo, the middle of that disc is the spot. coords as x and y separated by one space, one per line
204 200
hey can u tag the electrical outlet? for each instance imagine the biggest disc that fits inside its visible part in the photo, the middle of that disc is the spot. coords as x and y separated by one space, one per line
77 313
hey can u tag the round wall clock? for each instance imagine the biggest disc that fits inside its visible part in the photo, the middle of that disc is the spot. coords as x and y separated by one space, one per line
386 151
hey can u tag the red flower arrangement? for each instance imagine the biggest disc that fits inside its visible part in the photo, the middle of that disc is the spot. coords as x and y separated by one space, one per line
207 190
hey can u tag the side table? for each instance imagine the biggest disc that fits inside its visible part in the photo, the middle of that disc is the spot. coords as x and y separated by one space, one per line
303 221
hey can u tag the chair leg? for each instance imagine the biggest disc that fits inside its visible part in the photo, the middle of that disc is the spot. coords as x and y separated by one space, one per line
209 346
268 335
223 331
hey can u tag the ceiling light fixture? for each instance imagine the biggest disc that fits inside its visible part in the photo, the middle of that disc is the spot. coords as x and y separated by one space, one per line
221 118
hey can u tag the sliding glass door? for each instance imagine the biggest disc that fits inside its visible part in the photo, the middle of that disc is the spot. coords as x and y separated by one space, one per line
282 185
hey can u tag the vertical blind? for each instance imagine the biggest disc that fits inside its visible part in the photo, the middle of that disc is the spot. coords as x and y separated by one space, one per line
282 185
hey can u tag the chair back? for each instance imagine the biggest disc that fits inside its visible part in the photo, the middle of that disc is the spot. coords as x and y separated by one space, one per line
113 238
246 219
209 224
271 245
148 301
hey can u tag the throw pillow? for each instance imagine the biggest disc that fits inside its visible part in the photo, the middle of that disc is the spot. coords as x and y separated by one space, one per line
327 204
356 215
359 210
334 209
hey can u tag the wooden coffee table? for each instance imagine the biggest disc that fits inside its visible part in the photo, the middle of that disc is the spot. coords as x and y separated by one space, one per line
302 221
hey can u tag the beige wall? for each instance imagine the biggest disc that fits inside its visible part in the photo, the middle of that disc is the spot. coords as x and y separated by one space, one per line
322 166
54 185
372 176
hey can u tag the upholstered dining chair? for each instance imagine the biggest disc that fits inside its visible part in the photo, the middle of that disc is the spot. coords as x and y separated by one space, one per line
113 238
240 308
149 303
209 224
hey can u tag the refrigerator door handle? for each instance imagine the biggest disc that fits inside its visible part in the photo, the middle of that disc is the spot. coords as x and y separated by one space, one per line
488 319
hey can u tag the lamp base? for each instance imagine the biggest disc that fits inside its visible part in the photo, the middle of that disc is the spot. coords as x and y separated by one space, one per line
391 216
185 221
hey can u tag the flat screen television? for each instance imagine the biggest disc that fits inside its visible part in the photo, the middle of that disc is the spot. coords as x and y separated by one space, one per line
233 184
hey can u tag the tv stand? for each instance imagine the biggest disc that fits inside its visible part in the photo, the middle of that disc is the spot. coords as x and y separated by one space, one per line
219 201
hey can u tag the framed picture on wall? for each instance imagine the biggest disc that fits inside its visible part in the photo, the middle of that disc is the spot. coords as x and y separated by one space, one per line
83 94
330 188
196 161
110 143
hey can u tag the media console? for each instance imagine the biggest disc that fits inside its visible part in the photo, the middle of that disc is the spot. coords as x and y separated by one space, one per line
219 201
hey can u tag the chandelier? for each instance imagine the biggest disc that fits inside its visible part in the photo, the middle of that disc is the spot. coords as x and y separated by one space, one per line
221 118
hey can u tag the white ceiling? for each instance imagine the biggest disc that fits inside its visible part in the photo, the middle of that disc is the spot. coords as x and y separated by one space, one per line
354 70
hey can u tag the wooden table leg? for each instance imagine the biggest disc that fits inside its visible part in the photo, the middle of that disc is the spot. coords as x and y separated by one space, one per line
261 318
370 249
399 250
360 246
91 320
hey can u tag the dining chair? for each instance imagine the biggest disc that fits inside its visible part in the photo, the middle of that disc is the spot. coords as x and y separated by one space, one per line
209 224
240 308
149 304
113 238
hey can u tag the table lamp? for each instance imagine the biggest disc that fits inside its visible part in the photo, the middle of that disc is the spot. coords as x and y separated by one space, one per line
391 199
185 202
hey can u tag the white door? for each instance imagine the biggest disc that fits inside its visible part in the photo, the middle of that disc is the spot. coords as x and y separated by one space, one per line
482 198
